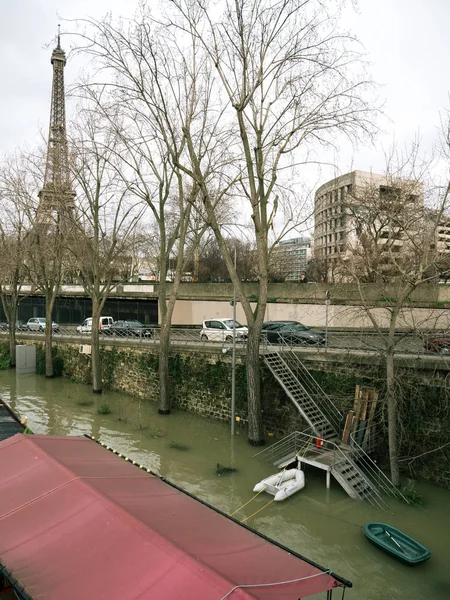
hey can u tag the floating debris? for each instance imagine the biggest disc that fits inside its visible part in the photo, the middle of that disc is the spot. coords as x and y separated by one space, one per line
178 446
223 470
85 402
152 433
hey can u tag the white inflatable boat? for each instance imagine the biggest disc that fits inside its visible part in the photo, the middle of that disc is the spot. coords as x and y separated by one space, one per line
282 485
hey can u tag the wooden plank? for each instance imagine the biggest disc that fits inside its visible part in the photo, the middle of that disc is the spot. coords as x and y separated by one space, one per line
347 427
357 397
356 417
371 414
362 428
364 402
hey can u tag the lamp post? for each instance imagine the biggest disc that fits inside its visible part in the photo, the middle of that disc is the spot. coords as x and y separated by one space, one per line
327 304
233 361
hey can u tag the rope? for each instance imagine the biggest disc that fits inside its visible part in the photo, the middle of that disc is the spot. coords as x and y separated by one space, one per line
259 510
251 499
304 447
262 585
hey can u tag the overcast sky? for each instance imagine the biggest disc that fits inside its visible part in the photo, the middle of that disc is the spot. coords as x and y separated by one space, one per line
406 41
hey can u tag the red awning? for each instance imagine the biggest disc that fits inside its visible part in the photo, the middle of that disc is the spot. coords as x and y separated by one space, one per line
78 522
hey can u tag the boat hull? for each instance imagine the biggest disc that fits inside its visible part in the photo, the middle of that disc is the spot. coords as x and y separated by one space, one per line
396 543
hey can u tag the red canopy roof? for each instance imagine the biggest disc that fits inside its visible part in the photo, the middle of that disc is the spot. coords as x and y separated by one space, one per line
78 522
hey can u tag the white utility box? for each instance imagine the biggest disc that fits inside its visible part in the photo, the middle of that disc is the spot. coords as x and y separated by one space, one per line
25 358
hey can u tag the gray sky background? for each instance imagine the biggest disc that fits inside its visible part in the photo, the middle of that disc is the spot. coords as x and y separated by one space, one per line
406 41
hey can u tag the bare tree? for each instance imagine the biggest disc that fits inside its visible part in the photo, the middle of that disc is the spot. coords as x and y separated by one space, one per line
149 103
282 82
43 258
392 240
14 226
103 222
212 267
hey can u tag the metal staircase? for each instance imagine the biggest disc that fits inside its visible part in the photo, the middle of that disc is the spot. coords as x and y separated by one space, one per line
348 463
354 482
308 405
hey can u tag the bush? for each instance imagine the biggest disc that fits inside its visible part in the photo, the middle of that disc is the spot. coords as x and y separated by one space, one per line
58 361
104 409
5 359
411 494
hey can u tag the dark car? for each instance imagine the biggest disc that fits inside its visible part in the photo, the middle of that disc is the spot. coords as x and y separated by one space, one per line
130 329
291 332
438 342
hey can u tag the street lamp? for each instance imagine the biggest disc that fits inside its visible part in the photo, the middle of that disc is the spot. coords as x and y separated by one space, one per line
233 361
327 304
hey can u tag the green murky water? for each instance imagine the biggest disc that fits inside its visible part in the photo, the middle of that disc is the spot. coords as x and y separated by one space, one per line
324 525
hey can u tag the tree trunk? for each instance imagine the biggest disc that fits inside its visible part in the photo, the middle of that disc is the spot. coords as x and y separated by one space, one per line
12 345
392 416
164 344
9 304
48 338
196 262
12 318
95 349
255 425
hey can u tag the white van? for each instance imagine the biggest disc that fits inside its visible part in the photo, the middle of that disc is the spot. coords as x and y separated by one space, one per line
86 325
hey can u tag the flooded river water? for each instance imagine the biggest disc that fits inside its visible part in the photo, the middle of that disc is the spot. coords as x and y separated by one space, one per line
324 525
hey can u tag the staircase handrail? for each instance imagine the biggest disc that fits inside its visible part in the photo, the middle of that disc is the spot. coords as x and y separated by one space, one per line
383 480
278 449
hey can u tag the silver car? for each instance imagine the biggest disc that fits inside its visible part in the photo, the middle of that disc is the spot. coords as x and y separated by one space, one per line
39 324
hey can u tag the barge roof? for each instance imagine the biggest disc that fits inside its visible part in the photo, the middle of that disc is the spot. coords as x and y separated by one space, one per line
79 521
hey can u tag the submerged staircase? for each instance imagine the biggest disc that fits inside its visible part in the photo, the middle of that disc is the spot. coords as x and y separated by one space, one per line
349 464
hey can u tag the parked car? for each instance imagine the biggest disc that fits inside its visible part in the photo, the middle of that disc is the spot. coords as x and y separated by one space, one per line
221 330
291 332
39 324
104 324
3 327
130 329
438 342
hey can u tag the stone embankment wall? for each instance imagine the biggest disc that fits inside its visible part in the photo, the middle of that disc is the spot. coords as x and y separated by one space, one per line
201 383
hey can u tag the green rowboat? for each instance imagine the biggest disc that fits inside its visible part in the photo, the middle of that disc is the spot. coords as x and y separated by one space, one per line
395 542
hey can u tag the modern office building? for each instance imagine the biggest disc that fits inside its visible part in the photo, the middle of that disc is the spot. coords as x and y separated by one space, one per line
290 257
336 230
443 236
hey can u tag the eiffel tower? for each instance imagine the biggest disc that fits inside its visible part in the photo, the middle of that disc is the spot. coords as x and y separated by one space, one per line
56 197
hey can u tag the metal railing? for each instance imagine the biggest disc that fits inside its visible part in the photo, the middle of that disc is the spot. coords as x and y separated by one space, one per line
148 335
372 471
353 342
